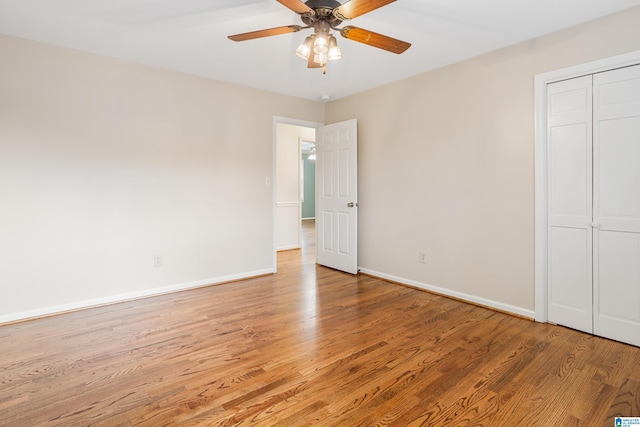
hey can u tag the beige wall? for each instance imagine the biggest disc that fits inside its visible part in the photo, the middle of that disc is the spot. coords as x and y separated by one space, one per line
105 163
446 165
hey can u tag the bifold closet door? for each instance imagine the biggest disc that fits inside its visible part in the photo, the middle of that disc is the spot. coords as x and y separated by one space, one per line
616 204
569 166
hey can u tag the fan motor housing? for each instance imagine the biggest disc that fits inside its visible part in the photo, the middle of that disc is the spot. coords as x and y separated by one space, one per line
327 4
323 12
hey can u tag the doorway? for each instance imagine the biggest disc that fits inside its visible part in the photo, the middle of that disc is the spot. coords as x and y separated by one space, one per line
293 142
336 192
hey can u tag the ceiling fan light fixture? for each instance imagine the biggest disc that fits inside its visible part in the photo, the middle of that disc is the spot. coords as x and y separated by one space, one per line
304 50
334 49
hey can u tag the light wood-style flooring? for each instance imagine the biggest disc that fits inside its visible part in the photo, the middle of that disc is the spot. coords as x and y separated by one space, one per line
309 346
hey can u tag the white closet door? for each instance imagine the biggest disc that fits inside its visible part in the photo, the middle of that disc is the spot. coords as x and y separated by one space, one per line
616 250
569 139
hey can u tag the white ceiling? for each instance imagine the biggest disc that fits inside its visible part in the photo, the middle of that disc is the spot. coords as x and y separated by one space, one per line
191 36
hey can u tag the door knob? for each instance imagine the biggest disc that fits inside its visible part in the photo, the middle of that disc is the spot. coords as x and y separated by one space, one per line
595 224
351 204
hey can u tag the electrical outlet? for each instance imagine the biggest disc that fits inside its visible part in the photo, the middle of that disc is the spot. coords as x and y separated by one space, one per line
422 257
157 260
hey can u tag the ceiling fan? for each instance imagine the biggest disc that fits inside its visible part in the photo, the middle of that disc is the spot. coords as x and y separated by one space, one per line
323 16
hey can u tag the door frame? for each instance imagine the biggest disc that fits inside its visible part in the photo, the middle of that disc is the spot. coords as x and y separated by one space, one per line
274 183
540 159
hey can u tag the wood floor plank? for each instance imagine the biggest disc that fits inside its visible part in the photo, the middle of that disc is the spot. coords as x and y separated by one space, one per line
309 346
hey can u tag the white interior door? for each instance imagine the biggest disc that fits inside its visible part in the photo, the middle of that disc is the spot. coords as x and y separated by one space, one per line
617 204
337 196
569 139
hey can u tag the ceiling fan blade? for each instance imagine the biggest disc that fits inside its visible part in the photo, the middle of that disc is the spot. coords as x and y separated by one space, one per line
265 33
355 8
297 6
374 39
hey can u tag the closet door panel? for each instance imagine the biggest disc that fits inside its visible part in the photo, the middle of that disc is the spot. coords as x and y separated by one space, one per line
618 261
570 269
569 163
618 171
617 286
616 198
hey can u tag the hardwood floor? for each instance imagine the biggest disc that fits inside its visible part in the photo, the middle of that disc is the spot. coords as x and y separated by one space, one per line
309 346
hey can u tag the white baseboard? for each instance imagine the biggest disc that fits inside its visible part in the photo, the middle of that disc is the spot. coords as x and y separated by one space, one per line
519 311
112 299
307 219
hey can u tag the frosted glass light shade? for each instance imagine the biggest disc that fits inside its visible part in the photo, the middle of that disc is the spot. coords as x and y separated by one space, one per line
334 50
320 58
304 50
